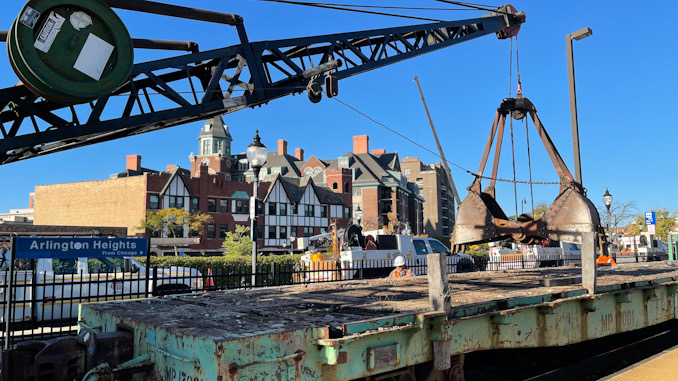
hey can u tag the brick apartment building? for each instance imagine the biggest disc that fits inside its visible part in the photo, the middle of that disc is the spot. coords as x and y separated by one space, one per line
369 180
434 187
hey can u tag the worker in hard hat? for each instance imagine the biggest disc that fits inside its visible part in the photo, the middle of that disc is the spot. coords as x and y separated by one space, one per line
400 269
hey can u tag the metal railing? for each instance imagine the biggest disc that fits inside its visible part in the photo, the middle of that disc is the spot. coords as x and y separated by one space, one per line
47 307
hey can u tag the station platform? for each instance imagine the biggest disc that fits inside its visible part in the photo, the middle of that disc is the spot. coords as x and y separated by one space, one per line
660 367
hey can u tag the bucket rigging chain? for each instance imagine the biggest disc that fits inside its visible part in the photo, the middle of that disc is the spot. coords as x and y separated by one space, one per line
162 93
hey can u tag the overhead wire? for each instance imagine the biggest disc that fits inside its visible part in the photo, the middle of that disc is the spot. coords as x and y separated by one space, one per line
322 5
437 154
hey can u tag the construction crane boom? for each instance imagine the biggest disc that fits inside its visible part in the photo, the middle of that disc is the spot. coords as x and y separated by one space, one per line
164 93
440 148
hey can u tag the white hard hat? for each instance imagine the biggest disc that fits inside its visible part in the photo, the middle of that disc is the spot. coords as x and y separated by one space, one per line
399 261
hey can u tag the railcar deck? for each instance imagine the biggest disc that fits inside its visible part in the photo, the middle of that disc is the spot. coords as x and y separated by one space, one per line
353 329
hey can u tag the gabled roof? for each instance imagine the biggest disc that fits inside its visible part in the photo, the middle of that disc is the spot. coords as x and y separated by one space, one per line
295 187
274 160
183 174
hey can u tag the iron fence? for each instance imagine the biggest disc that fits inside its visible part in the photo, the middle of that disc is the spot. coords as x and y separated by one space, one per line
44 307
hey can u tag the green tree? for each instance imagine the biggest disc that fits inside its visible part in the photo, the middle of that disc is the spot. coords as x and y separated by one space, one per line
664 218
238 243
171 222
540 209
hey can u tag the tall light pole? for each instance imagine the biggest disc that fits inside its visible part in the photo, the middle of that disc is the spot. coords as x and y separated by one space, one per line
256 155
578 35
607 200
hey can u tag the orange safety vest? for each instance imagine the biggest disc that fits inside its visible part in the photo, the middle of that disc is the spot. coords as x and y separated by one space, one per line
397 274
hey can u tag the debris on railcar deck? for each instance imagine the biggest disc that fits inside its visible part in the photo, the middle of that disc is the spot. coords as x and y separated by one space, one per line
235 314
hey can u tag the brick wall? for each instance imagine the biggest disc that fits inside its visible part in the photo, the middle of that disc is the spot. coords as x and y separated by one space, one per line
113 202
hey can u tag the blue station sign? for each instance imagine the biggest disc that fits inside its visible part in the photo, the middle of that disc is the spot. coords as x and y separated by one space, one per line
41 247
650 218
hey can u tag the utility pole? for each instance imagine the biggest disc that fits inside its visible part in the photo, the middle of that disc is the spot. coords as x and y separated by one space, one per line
440 148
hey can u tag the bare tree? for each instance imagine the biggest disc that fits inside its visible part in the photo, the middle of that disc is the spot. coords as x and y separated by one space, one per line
620 213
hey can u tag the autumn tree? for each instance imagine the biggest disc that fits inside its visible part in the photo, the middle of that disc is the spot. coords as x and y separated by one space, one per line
172 221
238 243
665 219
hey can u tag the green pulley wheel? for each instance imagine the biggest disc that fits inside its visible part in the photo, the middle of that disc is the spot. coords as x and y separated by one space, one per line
70 51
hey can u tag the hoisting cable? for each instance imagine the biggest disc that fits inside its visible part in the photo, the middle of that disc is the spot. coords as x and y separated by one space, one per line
384 7
513 159
480 7
519 94
321 5
513 151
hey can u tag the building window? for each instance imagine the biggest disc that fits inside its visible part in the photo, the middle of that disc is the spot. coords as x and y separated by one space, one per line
406 171
260 232
308 231
223 229
271 208
211 205
357 191
323 211
346 187
178 202
283 232
193 233
271 232
295 209
195 203
308 210
347 212
154 202
283 209
241 206
223 206
335 185
293 231
211 231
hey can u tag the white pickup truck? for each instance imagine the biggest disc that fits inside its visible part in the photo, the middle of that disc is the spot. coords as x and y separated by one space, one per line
356 261
48 289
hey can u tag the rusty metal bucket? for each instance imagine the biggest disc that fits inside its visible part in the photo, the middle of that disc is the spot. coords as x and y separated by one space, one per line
480 219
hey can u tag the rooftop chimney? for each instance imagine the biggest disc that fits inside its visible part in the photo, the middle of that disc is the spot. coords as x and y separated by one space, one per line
282 147
299 154
378 151
361 144
170 167
134 162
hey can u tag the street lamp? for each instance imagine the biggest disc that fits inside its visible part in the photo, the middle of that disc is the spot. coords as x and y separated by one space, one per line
359 215
607 200
578 35
256 156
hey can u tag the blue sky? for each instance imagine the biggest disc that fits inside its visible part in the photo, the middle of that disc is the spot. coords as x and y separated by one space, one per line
627 74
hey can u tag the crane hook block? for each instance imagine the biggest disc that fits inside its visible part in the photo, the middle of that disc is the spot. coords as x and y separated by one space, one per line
315 91
331 86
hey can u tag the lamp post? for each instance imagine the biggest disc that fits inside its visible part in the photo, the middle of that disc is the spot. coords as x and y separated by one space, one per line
359 215
578 35
607 200
256 156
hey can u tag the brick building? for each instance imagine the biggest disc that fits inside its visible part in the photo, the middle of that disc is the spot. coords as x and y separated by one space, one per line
434 187
369 180
215 184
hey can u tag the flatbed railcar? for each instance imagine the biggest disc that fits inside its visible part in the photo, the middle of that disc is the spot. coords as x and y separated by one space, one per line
366 330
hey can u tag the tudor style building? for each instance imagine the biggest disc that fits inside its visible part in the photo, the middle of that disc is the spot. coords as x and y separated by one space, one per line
215 184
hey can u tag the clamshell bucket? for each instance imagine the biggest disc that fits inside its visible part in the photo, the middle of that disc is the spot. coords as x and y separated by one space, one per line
480 219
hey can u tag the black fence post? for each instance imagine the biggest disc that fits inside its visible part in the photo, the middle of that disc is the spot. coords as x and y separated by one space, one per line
362 269
273 273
